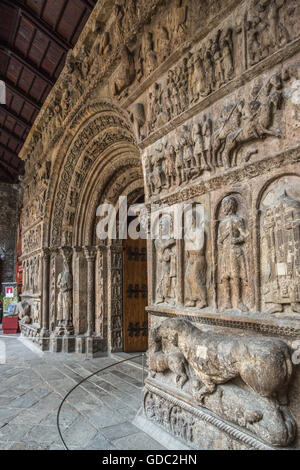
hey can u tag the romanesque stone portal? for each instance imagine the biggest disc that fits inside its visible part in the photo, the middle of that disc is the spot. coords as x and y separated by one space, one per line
183 102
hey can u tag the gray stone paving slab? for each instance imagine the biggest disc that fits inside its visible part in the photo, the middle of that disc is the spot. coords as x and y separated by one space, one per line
96 416
41 434
103 417
100 443
138 441
80 433
117 431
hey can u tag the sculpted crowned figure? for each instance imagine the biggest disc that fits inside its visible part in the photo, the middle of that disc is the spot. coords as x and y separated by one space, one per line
64 300
165 263
195 272
232 260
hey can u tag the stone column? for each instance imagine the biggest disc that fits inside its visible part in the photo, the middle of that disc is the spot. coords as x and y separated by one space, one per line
90 254
45 290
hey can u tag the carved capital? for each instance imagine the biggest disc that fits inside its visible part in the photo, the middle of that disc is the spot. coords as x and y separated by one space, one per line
46 252
89 252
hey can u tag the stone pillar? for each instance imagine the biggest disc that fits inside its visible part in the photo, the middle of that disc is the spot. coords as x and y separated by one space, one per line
90 254
65 317
45 292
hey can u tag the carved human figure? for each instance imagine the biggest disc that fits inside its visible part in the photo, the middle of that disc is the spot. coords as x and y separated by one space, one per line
64 300
195 271
187 146
157 176
216 57
244 124
179 163
163 44
209 71
205 140
281 232
149 55
170 165
165 263
154 106
198 145
232 236
197 79
126 73
179 18
227 63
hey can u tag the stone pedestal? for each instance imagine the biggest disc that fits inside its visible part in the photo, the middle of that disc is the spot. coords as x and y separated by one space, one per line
195 426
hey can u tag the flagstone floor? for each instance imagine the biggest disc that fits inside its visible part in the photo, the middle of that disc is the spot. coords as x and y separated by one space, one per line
97 415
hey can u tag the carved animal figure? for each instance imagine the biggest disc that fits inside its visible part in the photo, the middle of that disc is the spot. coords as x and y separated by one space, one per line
264 364
242 127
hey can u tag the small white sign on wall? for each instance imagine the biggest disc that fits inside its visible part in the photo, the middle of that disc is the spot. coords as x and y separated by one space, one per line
9 291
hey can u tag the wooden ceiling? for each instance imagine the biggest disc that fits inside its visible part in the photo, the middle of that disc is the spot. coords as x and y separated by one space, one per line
35 36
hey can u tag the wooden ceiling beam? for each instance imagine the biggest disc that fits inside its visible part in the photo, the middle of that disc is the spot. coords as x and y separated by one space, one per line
14 116
88 4
39 23
11 52
7 172
16 90
12 153
16 170
11 134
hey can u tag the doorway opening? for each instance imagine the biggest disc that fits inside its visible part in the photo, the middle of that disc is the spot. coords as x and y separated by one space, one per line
135 293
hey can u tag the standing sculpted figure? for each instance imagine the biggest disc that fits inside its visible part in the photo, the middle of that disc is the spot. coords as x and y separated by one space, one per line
195 272
165 263
233 269
64 301
170 166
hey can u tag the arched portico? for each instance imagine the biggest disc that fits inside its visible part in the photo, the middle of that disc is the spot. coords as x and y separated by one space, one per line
97 162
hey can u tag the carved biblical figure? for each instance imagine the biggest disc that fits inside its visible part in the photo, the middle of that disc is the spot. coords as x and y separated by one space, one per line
281 231
126 73
64 300
232 236
195 271
165 263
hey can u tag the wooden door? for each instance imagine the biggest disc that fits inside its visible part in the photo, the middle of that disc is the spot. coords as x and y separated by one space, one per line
135 295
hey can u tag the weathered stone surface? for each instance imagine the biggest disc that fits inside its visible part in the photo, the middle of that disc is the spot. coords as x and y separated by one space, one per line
184 103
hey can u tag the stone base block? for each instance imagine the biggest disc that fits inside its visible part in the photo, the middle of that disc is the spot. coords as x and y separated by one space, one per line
80 344
195 426
94 346
90 346
68 344
56 344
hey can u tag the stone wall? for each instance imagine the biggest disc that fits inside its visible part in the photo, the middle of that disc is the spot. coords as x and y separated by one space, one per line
9 208
189 102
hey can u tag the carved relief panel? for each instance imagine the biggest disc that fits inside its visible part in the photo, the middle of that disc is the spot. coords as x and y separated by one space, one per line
232 245
280 246
195 257
166 273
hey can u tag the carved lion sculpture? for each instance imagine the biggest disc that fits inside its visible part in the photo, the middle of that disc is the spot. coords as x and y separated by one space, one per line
263 364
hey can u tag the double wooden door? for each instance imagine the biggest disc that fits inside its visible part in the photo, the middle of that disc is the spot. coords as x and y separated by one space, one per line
135 295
